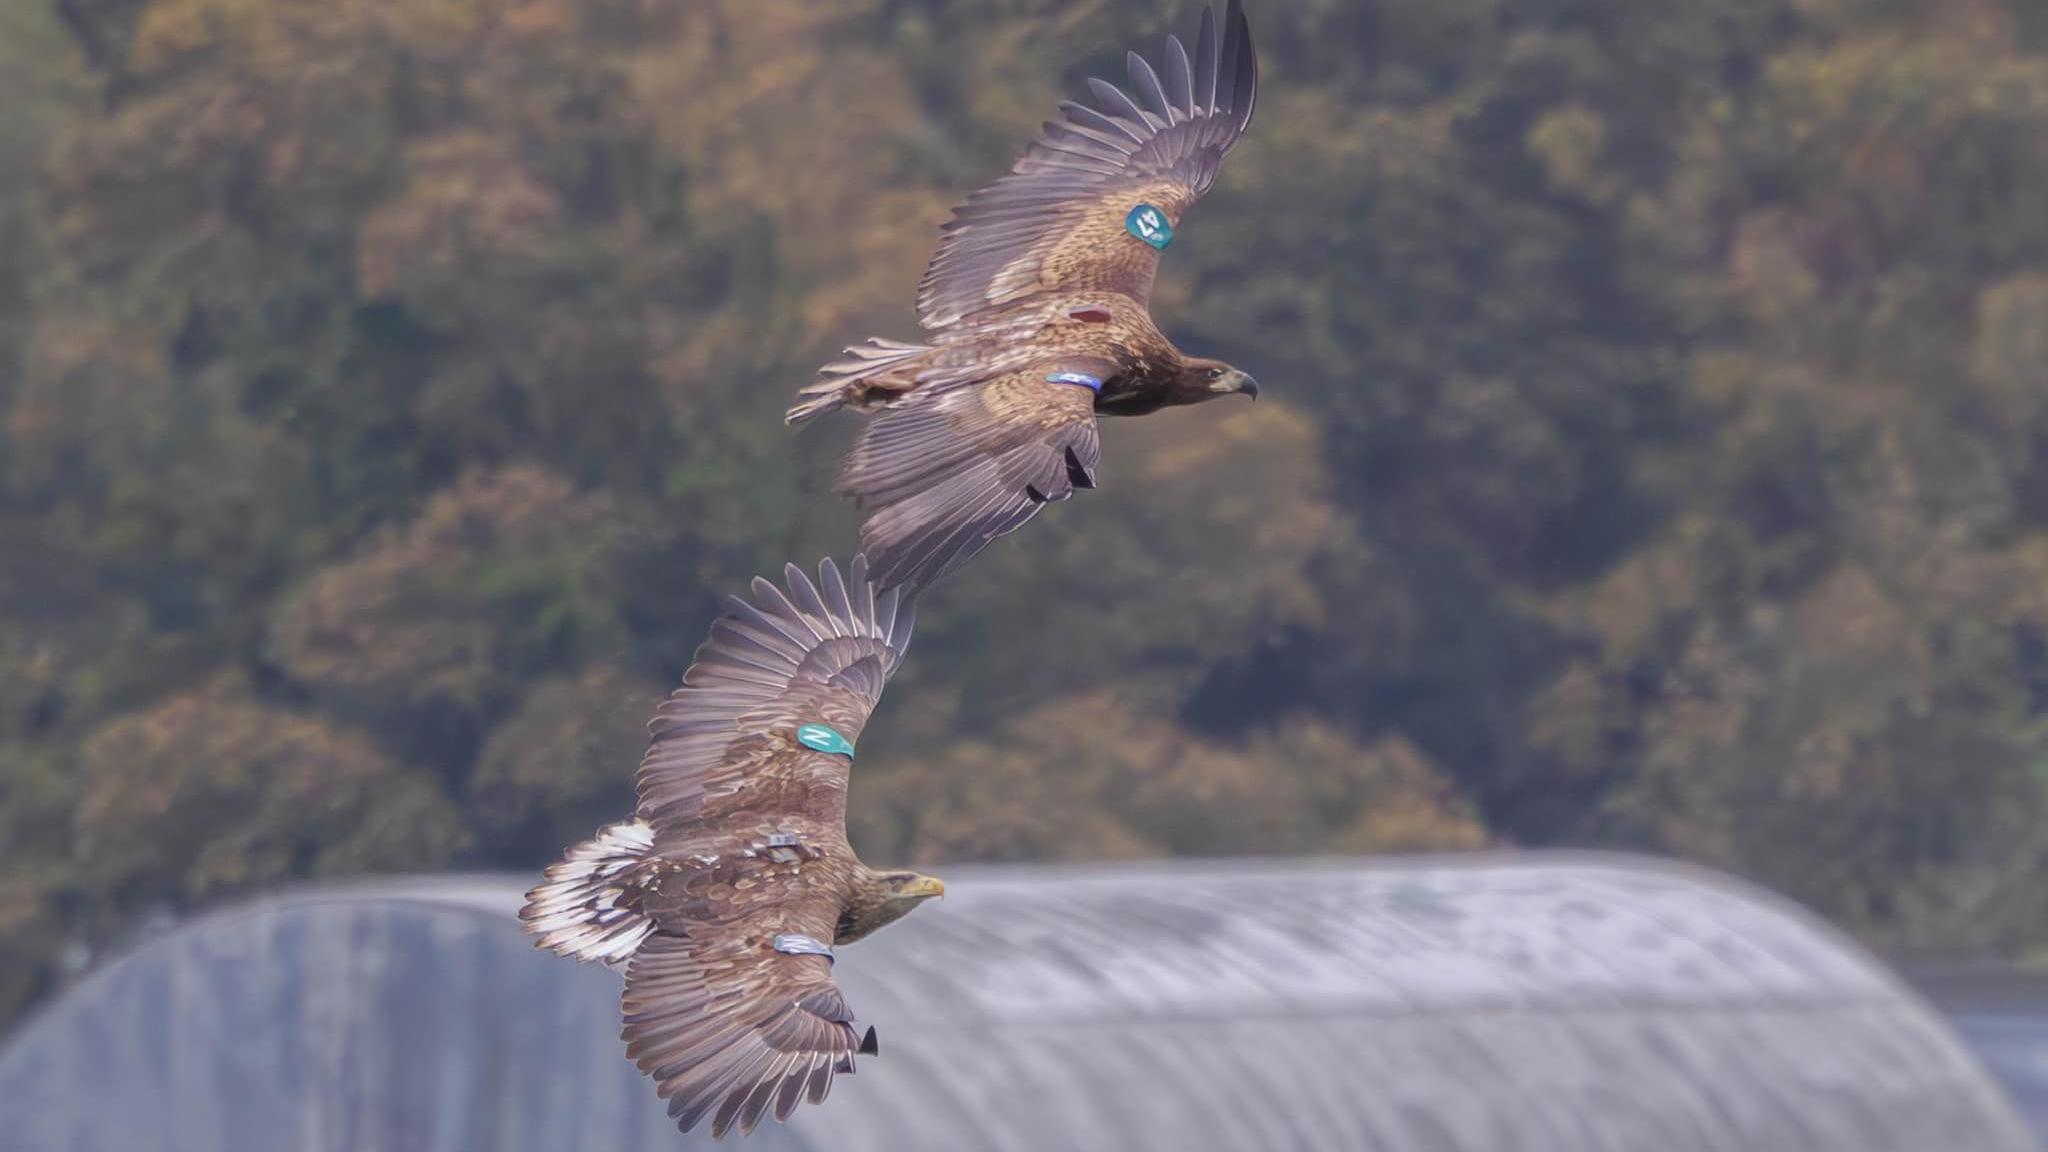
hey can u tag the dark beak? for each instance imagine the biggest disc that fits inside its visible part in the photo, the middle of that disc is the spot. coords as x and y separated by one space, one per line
1248 386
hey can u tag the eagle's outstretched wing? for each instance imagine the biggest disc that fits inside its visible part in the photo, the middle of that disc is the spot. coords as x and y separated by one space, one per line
726 744
729 1027
1072 214
941 475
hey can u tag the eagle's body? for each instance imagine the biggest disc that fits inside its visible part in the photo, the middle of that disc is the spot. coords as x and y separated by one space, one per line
677 896
1147 373
1036 304
723 895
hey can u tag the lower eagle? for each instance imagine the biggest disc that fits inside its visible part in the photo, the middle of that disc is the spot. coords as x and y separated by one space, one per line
726 893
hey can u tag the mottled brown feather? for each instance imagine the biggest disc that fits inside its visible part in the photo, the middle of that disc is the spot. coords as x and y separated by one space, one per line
726 1026
942 475
1056 222
724 744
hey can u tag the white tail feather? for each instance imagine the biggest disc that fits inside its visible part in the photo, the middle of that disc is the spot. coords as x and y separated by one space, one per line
587 906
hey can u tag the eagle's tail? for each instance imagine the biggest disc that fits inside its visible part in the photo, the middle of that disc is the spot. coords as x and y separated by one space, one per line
588 905
872 366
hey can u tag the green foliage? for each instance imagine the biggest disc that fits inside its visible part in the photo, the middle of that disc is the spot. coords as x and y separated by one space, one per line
503 577
550 772
1653 450
212 792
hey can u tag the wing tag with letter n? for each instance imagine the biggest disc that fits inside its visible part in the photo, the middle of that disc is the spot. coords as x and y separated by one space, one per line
825 738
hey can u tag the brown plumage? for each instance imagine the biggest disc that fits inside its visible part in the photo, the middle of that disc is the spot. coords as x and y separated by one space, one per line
1041 283
720 895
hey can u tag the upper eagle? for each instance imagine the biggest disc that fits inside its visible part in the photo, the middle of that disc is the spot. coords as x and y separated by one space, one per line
725 893
1038 304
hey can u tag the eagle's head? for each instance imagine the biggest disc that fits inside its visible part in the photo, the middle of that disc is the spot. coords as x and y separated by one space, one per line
882 898
1203 379
906 890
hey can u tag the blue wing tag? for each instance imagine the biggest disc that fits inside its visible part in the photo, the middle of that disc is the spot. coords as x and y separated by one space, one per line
798 944
1149 224
1081 378
824 738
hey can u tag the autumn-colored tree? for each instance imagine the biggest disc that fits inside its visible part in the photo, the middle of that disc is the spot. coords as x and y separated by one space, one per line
211 792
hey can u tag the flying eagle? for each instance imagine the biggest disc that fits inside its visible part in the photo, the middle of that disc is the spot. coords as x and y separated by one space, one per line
726 893
1038 304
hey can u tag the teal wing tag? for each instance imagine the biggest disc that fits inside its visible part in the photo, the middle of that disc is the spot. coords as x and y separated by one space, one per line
1149 224
824 738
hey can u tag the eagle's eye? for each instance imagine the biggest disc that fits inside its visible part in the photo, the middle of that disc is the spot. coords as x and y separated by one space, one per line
1216 373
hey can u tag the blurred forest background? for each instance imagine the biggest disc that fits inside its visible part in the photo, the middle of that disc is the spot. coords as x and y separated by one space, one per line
1654 451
